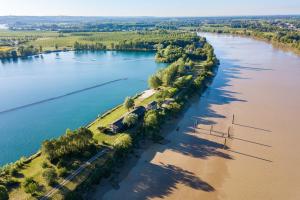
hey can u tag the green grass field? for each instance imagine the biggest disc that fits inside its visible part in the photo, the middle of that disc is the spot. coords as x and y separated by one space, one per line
48 40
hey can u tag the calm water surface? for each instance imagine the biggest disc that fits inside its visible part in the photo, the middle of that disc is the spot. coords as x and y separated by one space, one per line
25 81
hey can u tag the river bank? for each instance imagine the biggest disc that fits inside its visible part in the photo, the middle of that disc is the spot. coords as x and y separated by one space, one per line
261 160
279 45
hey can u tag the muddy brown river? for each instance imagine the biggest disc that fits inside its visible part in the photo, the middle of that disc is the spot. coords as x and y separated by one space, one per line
260 86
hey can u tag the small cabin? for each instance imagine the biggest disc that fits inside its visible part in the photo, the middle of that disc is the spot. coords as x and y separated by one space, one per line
152 106
139 111
187 68
167 102
118 126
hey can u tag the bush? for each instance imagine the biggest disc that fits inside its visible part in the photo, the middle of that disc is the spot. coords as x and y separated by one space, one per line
8 181
73 196
130 119
104 129
122 145
3 193
30 186
45 165
128 103
87 154
151 124
62 172
50 176
13 171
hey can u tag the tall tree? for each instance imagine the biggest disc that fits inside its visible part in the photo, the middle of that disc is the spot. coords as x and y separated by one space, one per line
130 119
154 82
3 193
128 103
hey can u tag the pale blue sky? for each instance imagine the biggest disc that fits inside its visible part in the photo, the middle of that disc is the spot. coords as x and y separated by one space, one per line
149 7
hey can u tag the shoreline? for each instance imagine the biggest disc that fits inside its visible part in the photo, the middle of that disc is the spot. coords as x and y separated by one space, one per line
275 44
89 124
195 165
168 129
193 83
123 171
8 59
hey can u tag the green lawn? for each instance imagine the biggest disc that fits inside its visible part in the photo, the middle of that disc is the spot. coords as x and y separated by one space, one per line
111 117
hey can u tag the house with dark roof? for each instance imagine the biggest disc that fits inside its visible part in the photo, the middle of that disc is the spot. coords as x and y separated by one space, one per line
152 106
119 126
187 68
167 102
139 111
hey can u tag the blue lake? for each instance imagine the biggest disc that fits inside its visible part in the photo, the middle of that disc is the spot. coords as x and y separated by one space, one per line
30 80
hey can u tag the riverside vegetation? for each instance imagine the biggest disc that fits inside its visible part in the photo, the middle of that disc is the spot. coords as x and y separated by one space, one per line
191 61
283 33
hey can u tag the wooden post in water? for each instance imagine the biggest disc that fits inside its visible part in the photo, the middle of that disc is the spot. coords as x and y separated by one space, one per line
228 132
225 143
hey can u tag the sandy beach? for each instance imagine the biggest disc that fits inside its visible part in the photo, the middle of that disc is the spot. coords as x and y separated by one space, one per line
261 161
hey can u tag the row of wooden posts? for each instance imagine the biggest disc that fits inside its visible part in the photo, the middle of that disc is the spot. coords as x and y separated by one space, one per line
211 130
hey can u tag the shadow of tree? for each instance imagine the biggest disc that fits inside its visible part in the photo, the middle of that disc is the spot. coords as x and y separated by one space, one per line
152 186
159 180
196 147
218 94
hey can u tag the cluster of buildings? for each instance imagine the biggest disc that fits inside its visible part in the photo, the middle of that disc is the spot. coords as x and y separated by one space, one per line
118 125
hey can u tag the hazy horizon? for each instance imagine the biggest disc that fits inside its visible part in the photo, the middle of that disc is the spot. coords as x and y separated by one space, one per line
154 8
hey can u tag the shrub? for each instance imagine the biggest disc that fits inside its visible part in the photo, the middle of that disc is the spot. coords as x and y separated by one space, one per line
50 176
62 172
151 123
130 119
87 154
122 145
104 129
128 103
3 193
45 165
154 82
13 171
73 196
30 186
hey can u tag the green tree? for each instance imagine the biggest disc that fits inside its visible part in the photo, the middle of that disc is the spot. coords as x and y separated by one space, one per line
151 125
130 119
128 103
151 121
30 186
122 145
56 46
154 82
21 50
14 53
50 176
3 193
